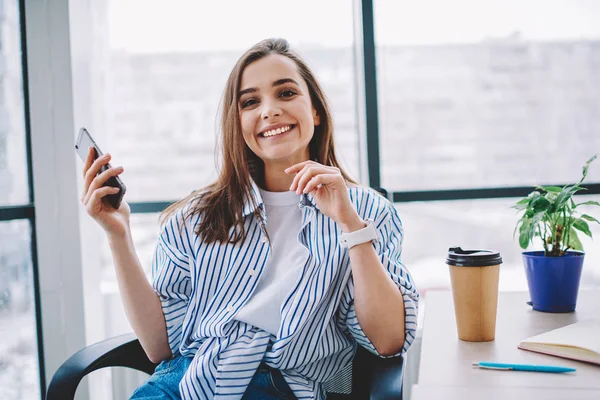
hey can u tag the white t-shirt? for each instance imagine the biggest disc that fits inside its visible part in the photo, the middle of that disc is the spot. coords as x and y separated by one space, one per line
282 271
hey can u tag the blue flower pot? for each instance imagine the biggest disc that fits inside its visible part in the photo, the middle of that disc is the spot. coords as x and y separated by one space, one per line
553 281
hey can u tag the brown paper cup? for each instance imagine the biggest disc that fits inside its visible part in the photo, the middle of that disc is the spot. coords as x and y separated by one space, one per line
474 275
475 293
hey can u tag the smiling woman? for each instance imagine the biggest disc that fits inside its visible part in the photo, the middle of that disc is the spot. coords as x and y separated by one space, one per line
238 304
163 89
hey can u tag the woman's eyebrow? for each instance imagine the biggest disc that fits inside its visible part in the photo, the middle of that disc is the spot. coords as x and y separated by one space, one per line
283 81
278 82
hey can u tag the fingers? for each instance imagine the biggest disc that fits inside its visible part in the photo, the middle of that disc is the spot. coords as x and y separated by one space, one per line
305 175
89 173
98 181
308 172
322 179
95 201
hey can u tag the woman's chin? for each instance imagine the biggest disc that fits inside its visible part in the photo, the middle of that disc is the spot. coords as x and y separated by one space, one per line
286 157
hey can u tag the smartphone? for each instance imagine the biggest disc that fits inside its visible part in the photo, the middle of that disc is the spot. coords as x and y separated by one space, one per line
82 145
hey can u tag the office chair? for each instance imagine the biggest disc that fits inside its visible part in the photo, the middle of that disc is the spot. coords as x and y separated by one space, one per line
372 378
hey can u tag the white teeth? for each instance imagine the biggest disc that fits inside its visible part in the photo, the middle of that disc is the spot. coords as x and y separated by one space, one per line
277 131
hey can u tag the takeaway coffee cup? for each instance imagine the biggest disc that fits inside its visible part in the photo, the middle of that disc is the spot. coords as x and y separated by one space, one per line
474 275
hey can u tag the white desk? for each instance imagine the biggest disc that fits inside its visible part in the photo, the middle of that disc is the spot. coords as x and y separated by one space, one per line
445 361
501 393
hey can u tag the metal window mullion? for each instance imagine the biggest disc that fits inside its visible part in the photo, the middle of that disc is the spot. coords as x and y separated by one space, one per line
29 210
477 193
9 213
148 207
370 90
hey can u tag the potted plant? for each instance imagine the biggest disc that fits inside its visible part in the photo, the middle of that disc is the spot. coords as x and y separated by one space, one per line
551 214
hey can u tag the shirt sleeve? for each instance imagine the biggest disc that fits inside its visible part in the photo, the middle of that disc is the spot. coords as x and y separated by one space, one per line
389 249
171 277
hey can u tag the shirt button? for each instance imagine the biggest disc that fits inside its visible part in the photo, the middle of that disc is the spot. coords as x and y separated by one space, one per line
230 308
252 272
263 239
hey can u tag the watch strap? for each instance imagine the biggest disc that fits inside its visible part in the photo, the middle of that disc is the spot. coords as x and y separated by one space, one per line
364 235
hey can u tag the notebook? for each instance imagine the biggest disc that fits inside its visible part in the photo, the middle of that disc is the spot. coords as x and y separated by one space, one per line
579 341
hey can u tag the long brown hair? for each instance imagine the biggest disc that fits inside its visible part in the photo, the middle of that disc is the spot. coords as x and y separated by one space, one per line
221 203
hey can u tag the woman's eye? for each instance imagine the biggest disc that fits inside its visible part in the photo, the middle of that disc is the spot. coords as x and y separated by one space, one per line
287 93
248 103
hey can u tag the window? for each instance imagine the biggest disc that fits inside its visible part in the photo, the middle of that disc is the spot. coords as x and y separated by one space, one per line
19 362
502 95
19 377
13 168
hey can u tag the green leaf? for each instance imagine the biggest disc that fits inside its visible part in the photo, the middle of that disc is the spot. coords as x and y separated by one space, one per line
554 189
589 203
586 167
524 239
582 226
524 200
540 204
516 227
574 241
564 196
520 207
590 218
533 195
524 236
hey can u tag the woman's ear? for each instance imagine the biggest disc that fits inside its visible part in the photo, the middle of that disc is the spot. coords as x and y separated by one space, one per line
316 117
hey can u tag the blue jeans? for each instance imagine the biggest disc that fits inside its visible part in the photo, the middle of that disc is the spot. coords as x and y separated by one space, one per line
266 384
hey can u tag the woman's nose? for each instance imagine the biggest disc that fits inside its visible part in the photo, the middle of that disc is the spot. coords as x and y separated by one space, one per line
269 111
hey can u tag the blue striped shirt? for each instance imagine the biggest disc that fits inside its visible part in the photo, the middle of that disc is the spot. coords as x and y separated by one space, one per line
202 286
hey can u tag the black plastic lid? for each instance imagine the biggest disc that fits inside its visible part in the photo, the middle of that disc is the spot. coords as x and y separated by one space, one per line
472 258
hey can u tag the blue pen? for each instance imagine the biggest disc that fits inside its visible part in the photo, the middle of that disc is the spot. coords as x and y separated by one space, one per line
522 367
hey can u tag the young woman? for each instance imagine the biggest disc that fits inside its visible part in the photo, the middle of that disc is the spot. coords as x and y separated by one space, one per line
266 281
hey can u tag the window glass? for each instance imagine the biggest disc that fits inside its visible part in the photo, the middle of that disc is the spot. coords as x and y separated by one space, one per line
430 228
13 161
164 79
487 94
19 368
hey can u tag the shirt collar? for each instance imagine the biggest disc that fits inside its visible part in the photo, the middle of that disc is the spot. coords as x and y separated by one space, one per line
306 200
252 199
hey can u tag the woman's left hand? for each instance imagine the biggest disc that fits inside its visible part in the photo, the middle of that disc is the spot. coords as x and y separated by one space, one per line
328 187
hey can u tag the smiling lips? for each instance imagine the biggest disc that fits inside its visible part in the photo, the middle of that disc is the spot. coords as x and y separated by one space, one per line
275 132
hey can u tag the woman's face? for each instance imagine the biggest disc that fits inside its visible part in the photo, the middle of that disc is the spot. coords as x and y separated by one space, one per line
276 113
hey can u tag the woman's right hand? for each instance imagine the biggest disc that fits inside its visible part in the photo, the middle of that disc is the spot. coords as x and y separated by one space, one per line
113 221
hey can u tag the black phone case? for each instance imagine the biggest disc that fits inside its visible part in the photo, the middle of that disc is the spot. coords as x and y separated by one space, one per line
84 141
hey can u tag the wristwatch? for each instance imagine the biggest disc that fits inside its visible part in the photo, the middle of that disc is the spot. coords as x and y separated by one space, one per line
364 235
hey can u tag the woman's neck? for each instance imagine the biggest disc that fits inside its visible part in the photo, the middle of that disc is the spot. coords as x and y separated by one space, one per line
276 180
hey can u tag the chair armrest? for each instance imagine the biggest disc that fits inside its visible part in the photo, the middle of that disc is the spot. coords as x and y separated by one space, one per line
386 381
377 378
120 351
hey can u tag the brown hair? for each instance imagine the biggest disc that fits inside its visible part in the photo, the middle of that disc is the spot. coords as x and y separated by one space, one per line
222 202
